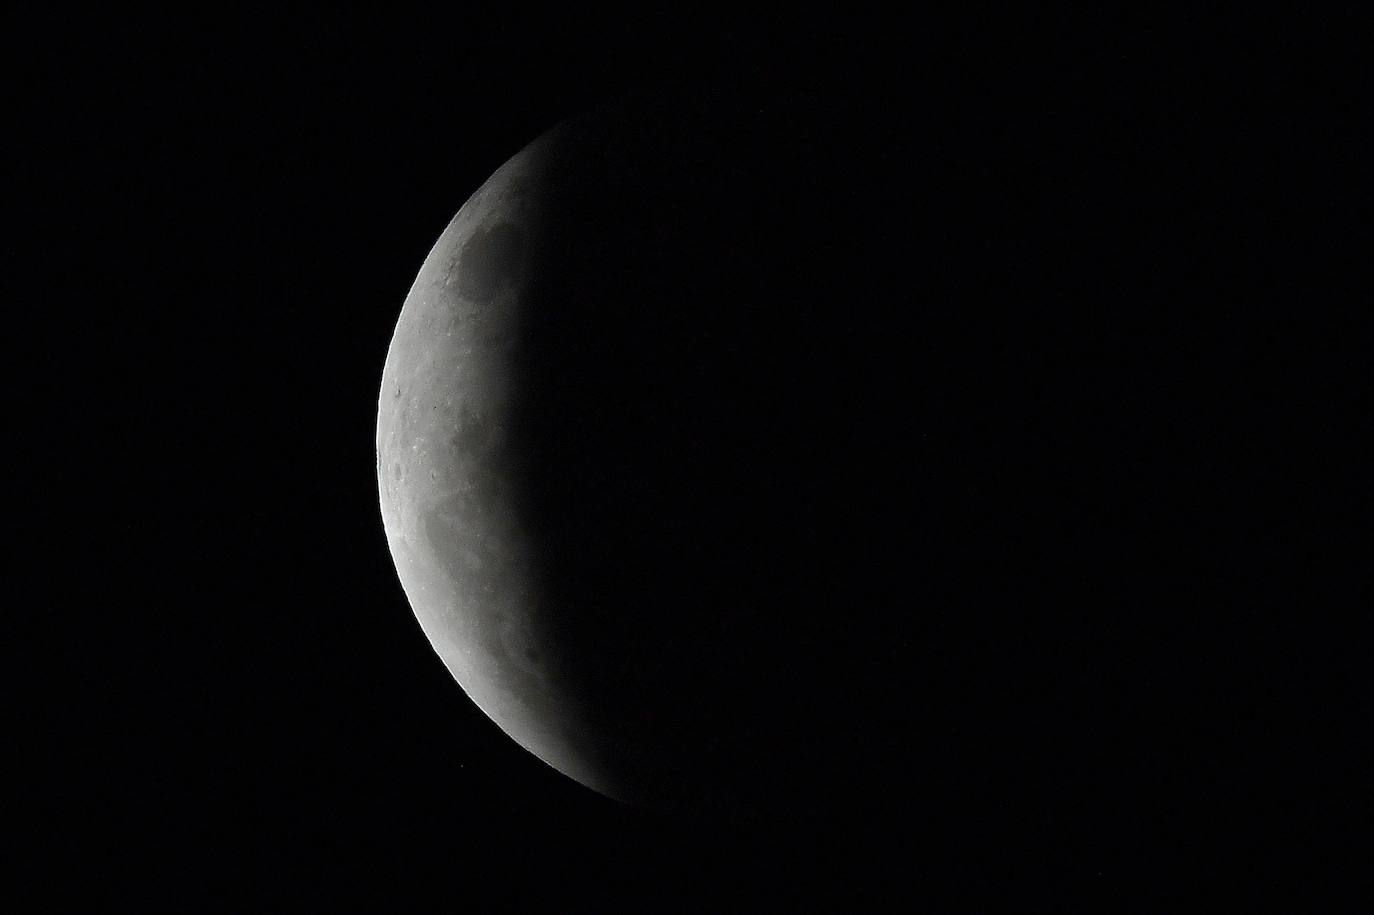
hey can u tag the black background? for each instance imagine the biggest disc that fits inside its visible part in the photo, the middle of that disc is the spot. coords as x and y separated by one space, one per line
1120 232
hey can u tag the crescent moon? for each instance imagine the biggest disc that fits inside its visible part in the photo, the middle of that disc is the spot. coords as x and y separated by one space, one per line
445 470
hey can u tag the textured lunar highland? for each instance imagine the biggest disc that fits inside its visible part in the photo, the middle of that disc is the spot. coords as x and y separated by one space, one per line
445 468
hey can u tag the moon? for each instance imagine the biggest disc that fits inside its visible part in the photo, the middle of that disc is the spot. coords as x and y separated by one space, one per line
445 469
631 464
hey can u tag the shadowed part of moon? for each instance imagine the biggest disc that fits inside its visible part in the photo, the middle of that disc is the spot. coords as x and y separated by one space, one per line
492 260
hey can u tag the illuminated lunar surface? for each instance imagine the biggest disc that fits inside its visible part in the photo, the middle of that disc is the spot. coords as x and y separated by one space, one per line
444 467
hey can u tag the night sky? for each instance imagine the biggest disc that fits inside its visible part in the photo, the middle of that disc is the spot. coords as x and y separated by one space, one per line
223 701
